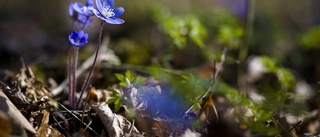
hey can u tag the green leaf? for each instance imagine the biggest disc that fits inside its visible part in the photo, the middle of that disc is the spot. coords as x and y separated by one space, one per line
181 28
139 81
269 63
120 77
117 104
285 77
123 84
230 36
129 75
310 39
197 32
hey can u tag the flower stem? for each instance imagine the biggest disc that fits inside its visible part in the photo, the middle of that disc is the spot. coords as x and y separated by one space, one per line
85 85
72 69
73 57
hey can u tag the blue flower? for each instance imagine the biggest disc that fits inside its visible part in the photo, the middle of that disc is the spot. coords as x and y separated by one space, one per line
107 13
86 9
81 14
78 38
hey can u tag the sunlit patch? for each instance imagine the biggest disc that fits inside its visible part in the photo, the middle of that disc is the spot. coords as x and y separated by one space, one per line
163 103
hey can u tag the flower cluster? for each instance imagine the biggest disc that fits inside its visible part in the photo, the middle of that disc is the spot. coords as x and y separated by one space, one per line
82 16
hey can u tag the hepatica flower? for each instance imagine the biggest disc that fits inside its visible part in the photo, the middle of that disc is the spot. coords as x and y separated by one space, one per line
78 38
107 13
81 14
84 10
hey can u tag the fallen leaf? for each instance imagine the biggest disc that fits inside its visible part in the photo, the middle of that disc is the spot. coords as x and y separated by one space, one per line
116 125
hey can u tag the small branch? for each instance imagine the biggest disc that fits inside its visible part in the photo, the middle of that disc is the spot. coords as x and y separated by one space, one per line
297 124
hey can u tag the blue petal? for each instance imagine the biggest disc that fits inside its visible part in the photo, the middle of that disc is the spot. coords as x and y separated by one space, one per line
73 33
86 36
72 37
109 20
99 15
71 9
80 23
86 10
80 34
78 44
114 20
82 18
109 3
89 12
99 5
84 39
89 21
77 7
95 10
78 38
118 11
89 3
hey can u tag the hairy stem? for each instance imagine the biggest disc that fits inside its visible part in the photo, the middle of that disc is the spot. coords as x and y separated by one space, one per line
85 85
72 66
72 70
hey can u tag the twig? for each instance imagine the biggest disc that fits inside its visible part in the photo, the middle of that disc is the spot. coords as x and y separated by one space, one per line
297 124
64 121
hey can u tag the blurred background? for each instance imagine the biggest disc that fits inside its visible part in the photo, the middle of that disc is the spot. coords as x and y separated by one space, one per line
287 31
185 35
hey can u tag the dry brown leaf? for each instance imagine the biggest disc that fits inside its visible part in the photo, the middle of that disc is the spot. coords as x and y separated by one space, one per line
19 123
45 130
98 95
5 129
116 125
34 87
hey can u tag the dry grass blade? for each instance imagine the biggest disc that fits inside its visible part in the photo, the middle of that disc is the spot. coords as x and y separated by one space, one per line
77 118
